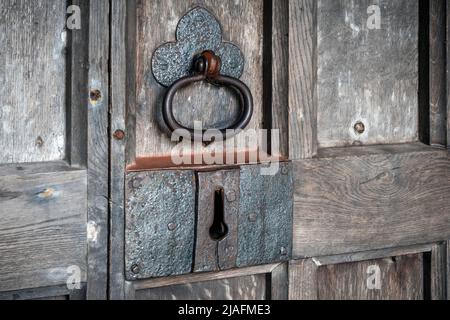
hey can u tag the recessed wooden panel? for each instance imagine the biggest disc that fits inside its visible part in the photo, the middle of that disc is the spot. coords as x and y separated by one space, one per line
32 77
156 22
366 198
43 225
367 75
397 278
251 287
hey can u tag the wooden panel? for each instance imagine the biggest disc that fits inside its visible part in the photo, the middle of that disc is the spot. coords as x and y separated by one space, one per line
401 278
242 23
448 74
302 78
251 287
366 198
367 75
32 74
43 229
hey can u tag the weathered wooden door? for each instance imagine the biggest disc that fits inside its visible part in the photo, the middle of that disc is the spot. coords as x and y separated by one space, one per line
357 91
93 206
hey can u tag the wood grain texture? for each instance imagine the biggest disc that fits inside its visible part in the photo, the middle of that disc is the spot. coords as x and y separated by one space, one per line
32 77
302 79
448 75
367 75
43 229
279 282
401 279
119 92
346 203
278 75
252 287
98 148
303 280
242 24
438 270
437 70
46 293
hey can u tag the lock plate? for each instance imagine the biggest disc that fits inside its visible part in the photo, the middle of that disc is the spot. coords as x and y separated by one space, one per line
170 219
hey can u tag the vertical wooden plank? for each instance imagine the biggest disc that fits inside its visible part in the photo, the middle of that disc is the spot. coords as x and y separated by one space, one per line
302 79
438 90
276 73
32 77
77 87
98 149
438 271
118 122
303 280
448 74
279 279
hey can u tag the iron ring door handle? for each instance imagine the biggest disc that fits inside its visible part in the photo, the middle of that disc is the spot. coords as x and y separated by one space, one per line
206 67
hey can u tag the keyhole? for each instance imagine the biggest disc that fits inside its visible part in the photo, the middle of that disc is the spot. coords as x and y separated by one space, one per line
219 229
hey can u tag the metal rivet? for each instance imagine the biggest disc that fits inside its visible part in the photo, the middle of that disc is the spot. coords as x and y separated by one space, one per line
171 226
231 196
283 251
359 127
135 269
253 217
39 142
119 134
284 170
95 95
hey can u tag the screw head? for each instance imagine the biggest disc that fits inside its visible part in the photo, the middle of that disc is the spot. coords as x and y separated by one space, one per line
119 135
231 196
283 251
284 170
135 269
172 226
359 127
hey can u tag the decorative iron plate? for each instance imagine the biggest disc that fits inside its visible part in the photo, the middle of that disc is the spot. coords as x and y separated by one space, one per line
196 32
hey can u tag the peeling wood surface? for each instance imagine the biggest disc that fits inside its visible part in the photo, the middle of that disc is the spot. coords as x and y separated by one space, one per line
43 229
242 24
367 75
373 201
32 77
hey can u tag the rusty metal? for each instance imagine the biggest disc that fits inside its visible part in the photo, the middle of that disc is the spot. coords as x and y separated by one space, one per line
265 216
360 127
207 68
216 254
119 135
160 223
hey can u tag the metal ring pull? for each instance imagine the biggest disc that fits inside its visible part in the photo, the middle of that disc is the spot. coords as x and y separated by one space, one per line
206 67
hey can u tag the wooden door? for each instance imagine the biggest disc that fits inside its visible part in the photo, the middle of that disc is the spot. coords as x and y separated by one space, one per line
53 199
92 206
361 110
